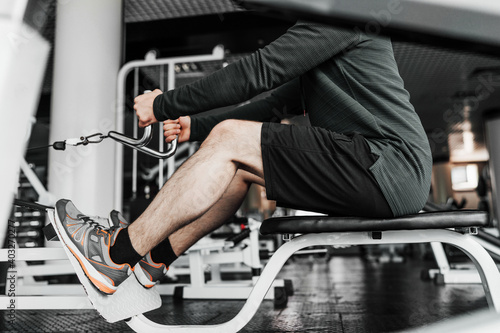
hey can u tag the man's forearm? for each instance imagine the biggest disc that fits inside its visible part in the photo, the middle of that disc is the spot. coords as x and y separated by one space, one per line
282 103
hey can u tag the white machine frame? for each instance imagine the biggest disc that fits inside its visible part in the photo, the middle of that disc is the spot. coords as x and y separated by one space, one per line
486 267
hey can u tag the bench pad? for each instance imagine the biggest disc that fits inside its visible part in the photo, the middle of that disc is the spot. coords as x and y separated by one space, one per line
427 220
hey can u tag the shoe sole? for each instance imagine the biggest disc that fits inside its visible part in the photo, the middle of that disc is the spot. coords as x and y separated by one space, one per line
142 278
129 300
90 272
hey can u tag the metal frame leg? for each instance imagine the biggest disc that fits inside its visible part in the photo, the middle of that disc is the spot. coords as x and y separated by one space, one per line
454 274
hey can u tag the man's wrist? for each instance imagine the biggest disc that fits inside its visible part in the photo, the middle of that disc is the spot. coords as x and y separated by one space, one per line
158 107
193 130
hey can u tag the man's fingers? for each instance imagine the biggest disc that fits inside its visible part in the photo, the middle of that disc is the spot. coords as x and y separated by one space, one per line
170 132
171 121
143 106
170 138
170 126
143 124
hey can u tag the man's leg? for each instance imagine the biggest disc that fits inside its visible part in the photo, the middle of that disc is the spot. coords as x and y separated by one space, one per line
155 264
199 185
231 200
107 256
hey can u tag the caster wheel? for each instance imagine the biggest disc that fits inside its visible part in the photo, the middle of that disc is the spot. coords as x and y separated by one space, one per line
289 287
439 279
280 297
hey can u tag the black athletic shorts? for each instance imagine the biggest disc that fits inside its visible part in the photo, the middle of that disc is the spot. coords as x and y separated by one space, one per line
311 168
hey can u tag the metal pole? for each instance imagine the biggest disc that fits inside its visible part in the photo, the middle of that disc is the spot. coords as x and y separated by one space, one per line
160 132
171 86
134 152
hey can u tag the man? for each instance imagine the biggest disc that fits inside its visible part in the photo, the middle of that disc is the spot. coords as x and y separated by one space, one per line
366 153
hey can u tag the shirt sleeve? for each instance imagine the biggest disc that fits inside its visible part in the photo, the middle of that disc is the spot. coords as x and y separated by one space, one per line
303 47
282 103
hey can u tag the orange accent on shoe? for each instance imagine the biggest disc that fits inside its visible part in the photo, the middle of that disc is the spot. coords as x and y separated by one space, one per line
155 265
102 232
98 263
117 233
73 234
71 218
83 238
102 287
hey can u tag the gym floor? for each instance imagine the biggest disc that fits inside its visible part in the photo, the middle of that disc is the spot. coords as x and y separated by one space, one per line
342 294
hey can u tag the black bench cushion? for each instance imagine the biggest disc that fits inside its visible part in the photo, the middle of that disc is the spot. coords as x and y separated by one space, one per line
427 220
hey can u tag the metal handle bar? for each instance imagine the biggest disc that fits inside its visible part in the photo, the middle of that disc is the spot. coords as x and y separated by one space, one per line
140 144
132 142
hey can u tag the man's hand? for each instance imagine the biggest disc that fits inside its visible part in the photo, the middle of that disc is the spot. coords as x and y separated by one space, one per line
144 108
179 127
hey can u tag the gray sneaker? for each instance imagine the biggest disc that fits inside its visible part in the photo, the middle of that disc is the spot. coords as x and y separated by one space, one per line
90 242
146 271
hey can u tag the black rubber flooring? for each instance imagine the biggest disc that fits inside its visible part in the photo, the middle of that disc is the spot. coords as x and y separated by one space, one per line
343 294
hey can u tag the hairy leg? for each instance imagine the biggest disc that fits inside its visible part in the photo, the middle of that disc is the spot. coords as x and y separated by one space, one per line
200 183
231 200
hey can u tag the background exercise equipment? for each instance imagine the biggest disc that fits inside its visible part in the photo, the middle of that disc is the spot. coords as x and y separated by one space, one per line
22 66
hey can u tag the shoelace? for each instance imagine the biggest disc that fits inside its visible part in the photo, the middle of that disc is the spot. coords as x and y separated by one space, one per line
96 225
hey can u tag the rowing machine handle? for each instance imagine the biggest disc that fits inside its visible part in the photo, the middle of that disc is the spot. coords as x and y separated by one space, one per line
140 144
132 142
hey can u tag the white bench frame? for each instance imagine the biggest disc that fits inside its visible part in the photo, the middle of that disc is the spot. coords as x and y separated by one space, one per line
485 265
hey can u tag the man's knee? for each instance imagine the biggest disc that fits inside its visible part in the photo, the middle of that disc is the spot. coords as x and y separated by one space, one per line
237 137
230 132
223 136
226 128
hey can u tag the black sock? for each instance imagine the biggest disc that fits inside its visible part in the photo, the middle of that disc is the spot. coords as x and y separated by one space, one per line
163 253
122 252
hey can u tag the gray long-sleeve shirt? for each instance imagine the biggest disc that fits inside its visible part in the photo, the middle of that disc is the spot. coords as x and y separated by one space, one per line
347 81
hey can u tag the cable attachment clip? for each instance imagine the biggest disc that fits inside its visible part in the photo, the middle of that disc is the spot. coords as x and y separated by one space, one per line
85 140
